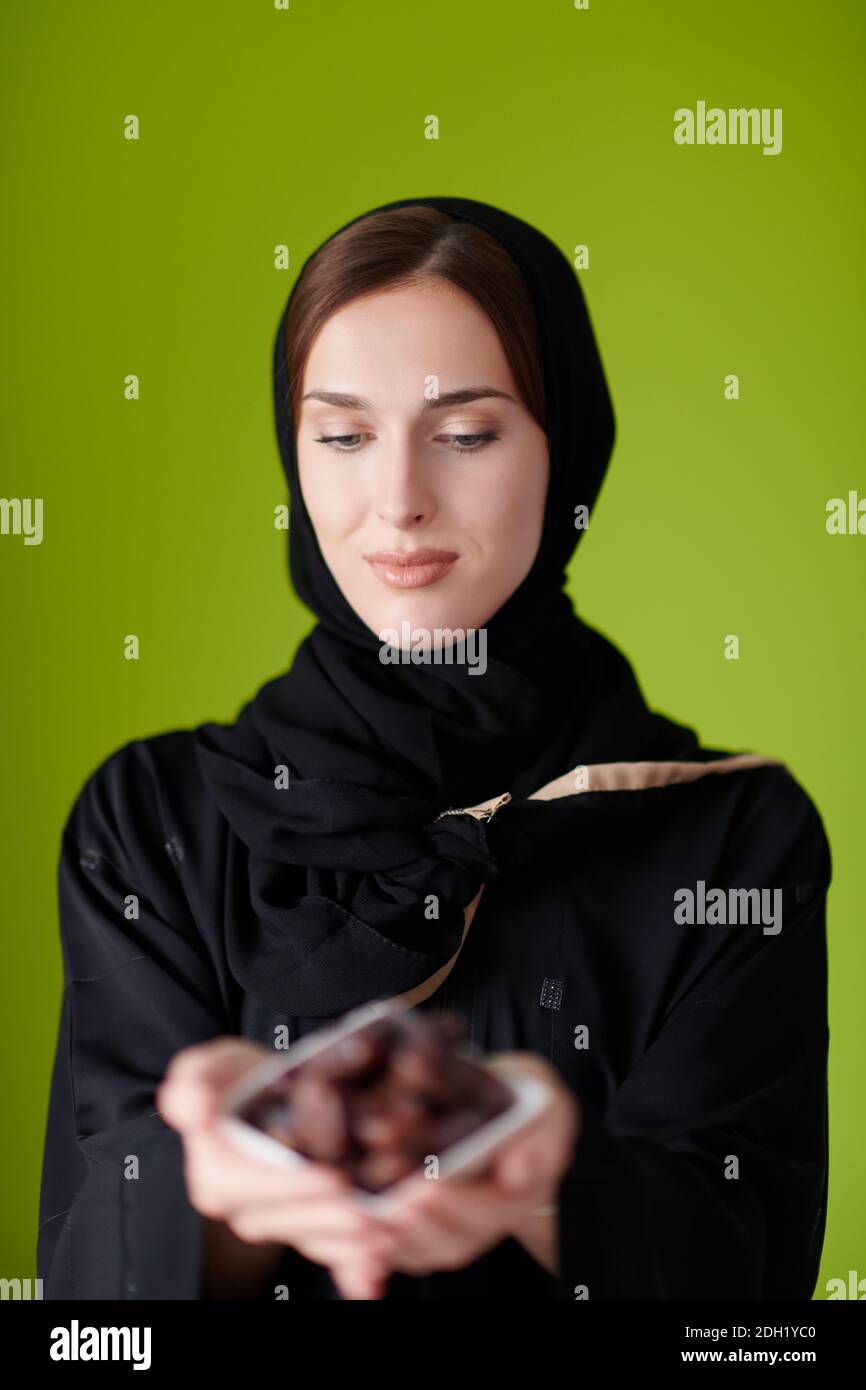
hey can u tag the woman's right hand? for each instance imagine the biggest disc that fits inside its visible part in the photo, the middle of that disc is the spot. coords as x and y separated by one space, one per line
308 1208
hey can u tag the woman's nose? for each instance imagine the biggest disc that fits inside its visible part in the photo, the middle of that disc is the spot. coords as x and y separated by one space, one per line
403 496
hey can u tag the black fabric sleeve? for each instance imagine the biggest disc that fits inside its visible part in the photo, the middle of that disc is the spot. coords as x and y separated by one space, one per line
649 1207
115 1222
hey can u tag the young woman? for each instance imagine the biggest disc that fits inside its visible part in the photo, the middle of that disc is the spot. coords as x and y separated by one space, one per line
456 795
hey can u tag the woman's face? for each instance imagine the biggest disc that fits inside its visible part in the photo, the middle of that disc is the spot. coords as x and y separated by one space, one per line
424 475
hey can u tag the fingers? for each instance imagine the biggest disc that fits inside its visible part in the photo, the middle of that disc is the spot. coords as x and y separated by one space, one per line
221 1179
472 1206
454 1221
512 1064
197 1076
307 1221
541 1151
449 1232
260 1203
360 1281
531 1161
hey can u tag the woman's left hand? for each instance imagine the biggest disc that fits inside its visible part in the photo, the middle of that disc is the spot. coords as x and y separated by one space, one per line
440 1225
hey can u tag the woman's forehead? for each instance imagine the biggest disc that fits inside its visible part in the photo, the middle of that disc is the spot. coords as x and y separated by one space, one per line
407 344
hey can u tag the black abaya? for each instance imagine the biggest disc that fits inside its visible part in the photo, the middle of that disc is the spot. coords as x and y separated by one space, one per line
705 1041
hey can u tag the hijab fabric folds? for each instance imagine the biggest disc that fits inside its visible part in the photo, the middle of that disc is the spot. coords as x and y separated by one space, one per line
352 884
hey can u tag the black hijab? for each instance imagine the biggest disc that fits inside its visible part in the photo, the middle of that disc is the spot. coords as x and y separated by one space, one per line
346 867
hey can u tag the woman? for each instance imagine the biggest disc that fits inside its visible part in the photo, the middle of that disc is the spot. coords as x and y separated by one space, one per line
501 828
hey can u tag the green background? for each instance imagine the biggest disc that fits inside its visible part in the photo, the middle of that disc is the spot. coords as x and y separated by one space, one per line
261 127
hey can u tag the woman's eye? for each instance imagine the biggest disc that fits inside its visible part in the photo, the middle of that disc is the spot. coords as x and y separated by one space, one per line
471 443
341 442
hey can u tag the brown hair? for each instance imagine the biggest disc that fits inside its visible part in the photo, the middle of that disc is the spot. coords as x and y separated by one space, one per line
410 245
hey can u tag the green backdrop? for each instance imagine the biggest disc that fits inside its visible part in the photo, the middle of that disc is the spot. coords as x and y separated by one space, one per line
262 126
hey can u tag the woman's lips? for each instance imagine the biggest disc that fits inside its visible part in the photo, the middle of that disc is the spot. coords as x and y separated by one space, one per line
410 569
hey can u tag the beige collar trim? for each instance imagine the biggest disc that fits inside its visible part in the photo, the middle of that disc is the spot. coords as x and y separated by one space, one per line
619 777
592 777
633 777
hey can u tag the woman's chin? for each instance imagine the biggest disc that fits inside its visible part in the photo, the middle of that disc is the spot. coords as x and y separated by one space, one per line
419 617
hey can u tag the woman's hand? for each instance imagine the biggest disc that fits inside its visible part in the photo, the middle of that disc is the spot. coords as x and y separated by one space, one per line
435 1225
447 1224
308 1209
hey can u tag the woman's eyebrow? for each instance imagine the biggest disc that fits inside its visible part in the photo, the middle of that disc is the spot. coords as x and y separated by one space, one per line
443 402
